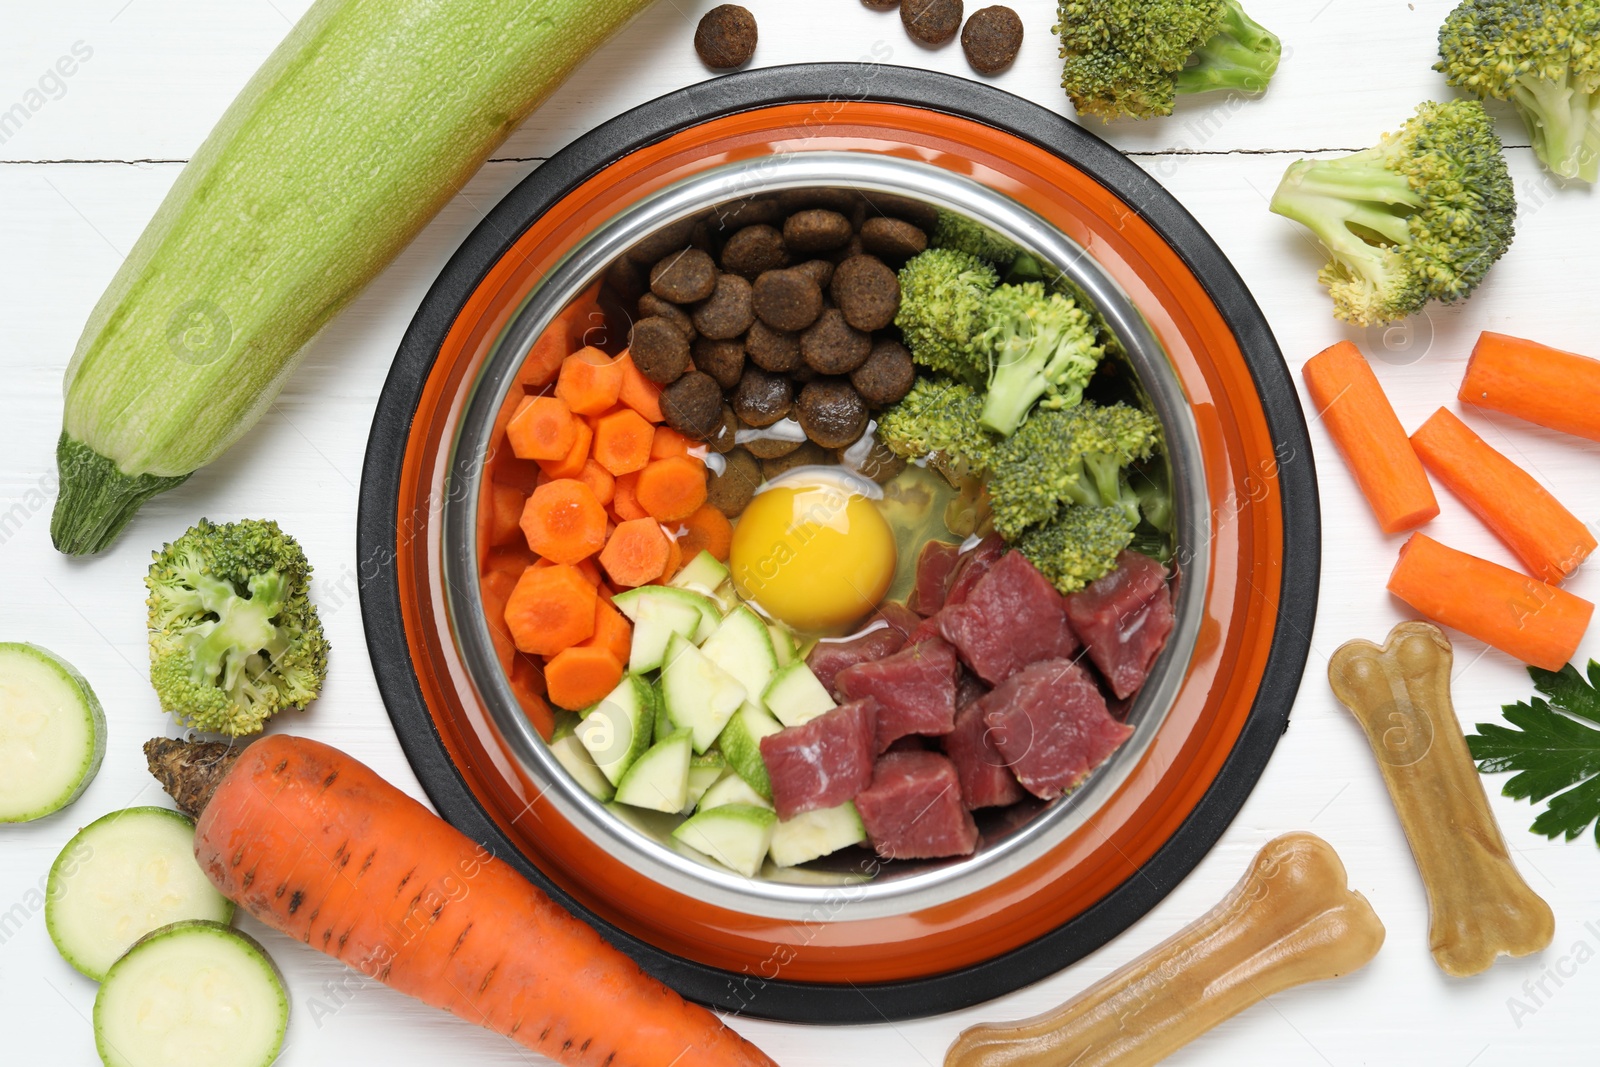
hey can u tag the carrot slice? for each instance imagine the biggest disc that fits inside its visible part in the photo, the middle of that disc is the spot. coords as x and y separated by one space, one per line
1549 539
564 522
544 429
637 553
1521 616
561 338
1535 382
506 515
667 443
578 677
508 410
550 609
528 685
624 498
674 559
672 489
622 442
639 392
612 631
519 474
1374 445
497 587
598 479
510 559
706 530
571 465
589 381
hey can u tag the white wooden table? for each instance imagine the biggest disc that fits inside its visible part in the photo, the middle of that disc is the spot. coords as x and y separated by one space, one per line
82 174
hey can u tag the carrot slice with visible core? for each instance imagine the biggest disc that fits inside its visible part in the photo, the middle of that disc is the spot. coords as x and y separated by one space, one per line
707 530
1535 382
589 381
1521 616
550 609
637 553
580 676
672 489
564 522
1367 433
1549 539
622 442
544 429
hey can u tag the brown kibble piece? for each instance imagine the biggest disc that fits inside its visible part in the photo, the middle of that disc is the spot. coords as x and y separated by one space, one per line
625 280
770 442
773 350
818 196
730 490
684 277
880 463
755 249
737 214
652 306
849 250
692 405
921 214
762 399
867 292
787 299
880 5
725 437
723 360
931 21
816 230
673 237
895 240
818 270
832 413
887 375
1400 694
991 39
805 454
726 37
1292 919
728 313
832 346
659 349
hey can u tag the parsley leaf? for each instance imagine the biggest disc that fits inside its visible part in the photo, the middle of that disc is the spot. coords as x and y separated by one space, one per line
1555 748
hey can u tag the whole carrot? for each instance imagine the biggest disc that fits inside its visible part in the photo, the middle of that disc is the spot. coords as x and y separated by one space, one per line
317 846
1535 382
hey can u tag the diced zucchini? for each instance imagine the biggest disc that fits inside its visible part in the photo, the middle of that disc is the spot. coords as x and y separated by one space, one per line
659 779
735 835
732 789
710 614
743 647
656 617
570 753
703 574
740 741
52 733
816 833
796 696
617 730
697 693
783 646
704 771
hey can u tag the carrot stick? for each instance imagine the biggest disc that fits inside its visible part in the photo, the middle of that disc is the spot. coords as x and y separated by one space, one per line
1548 538
527 683
564 522
639 392
1364 427
672 489
598 479
707 530
589 381
550 609
667 443
636 554
622 442
624 499
544 429
580 676
1535 382
372 878
506 516
612 631
1521 616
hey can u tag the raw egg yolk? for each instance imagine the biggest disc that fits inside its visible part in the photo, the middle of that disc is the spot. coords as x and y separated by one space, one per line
814 556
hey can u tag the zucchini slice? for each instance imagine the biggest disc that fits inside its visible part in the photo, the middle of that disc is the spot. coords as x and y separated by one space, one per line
52 733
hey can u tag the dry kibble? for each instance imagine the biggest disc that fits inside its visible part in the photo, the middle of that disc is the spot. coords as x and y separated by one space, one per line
762 399
832 346
922 215
1479 905
804 454
880 464
816 230
730 490
932 22
787 299
755 249
659 349
725 437
726 37
737 214
895 240
685 277
671 238
818 270
723 360
625 279
728 313
831 412
774 350
848 250
652 306
881 5
887 375
779 439
692 405
821 196
867 292
991 39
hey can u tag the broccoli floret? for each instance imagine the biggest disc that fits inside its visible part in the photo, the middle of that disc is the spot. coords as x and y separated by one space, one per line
1078 456
1544 57
964 235
1422 215
942 293
938 421
1079 546
1040 345
234 637
1133 57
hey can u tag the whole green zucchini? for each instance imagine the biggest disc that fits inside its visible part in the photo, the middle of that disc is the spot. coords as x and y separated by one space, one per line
362 124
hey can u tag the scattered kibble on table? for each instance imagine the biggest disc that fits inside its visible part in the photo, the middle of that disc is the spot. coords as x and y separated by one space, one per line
991 39
932 22
726 37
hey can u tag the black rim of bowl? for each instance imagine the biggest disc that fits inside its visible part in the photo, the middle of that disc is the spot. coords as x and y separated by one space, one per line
846 1003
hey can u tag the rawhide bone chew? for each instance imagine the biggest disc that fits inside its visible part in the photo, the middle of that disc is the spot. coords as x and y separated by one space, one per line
1291 919
1479 904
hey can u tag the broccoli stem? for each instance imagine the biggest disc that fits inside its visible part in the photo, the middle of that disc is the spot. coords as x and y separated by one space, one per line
1242 55
1330 196
1564 124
